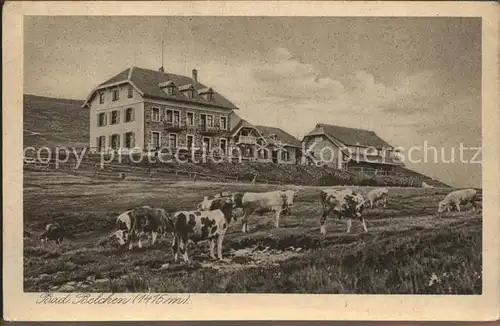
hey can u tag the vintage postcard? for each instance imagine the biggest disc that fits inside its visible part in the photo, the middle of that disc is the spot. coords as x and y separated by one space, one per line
251 160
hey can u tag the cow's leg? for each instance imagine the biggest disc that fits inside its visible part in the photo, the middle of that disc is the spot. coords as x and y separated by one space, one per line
183 249
457 205
175 248
139 243
371 203
349 224
220 238
244 227
212 248
322 219
278 218
364 224
154 236
385 202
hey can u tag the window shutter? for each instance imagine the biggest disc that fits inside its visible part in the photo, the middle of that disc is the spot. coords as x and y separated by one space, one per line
132 140
133 114
118 141
98 119
118 116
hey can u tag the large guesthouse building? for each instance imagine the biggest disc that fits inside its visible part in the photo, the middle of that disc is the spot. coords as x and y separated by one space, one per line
145 110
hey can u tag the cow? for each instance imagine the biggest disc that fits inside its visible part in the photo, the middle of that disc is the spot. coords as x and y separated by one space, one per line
133 224
207 201
264 202
379 195
344 204
457 198
53 232
197 226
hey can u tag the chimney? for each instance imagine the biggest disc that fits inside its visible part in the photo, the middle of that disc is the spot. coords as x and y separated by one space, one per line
195 76
161 69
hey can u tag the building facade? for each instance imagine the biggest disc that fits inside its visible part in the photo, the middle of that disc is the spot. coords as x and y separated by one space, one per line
146 110
349 148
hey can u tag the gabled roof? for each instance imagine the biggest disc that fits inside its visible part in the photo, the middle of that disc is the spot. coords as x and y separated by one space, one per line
236 123
147 82
281 135
350 136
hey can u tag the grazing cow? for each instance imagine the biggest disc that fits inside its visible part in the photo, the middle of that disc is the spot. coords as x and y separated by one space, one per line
133 224
457 198
425 185
344 204
379 195
53 232
260 203
199 226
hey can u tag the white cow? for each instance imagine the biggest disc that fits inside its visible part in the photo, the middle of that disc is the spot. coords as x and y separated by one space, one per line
344 203
457 198
264 202
379 195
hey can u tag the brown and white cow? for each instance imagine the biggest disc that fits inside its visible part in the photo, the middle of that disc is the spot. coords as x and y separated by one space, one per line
264 202
53 232
197 226
132 225
344 203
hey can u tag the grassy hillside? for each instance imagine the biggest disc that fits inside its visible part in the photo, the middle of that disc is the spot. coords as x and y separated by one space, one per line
409 249
54 122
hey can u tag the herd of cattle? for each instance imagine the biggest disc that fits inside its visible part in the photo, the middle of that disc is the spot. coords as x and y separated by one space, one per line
212 217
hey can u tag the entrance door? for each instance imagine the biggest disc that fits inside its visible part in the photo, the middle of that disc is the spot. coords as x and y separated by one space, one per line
275 156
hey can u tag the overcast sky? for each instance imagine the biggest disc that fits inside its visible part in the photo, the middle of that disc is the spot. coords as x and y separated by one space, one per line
410 80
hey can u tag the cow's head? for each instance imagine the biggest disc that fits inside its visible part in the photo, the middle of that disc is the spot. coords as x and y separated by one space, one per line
443 206
237 200
226 205
123 236
288 197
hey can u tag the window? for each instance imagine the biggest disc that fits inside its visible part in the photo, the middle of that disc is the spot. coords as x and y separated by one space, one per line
223 123
129 114
101 98
190 118
170 90
115 117
172 140
189 141
114 141
189 93
263 154
285 156
223 145
155 139
318 138
129 140
101 119
210 121
116 95
155 115
206 143
173 116
209 97
130 91
101 143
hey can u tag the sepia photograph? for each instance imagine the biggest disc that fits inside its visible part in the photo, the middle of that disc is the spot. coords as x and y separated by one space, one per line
251 154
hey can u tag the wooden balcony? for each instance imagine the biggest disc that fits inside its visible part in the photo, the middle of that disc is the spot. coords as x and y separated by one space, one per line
247 140
175 125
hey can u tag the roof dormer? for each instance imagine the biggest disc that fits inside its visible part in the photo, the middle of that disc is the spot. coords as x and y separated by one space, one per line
168 87
207 93
188 90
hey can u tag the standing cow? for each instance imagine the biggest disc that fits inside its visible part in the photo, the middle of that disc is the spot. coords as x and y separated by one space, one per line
133 224
53 232
457 198
344 204
260 203
202 225
379 195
